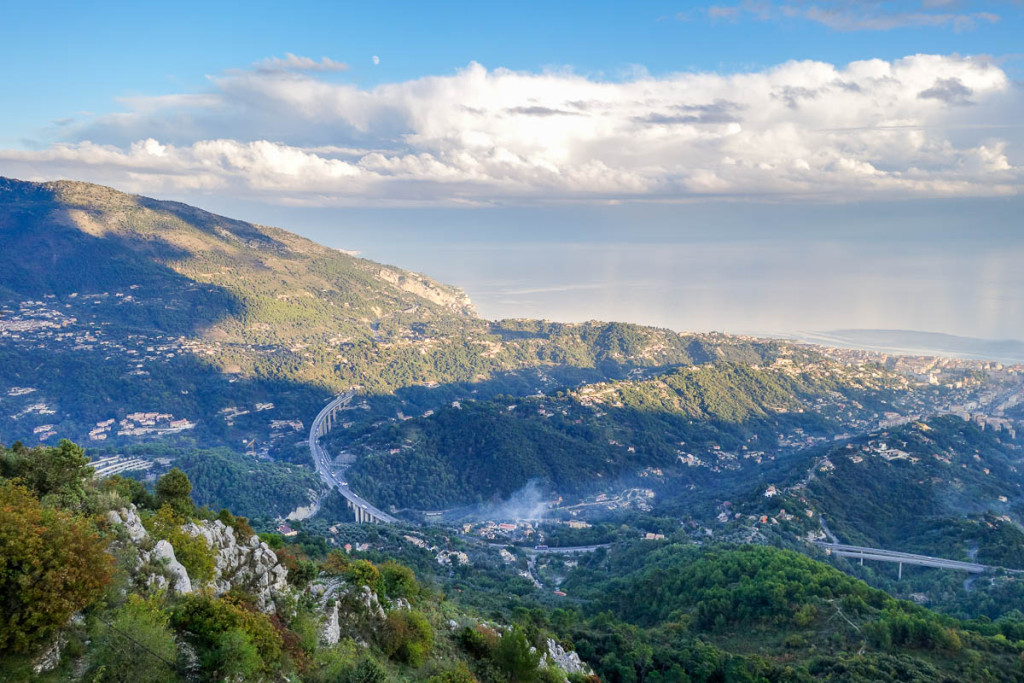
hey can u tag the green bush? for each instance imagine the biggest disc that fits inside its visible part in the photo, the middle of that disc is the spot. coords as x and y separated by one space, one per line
137 645
407 637
193 552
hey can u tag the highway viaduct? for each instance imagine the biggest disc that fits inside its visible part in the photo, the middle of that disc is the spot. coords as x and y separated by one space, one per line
365 511
324 422
879 555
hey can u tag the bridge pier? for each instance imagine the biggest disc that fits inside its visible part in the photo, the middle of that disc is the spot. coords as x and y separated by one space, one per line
325 421
362 516
899 571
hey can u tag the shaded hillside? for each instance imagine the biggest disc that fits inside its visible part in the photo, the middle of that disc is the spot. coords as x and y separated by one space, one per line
926 487
114 304
672 432
195 271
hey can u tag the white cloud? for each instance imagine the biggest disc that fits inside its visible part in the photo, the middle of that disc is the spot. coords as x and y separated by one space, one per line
858 15
925 125
292 62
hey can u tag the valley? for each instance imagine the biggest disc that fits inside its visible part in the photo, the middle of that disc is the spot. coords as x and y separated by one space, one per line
530 473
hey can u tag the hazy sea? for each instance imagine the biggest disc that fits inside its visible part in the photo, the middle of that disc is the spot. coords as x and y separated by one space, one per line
954 267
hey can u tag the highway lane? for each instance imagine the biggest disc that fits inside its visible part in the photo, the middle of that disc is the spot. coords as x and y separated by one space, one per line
566 550
880 555
322 461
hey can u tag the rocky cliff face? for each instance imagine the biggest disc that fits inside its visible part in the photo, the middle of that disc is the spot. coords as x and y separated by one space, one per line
354 610
569 662
161 554
451 298
249 564
246 563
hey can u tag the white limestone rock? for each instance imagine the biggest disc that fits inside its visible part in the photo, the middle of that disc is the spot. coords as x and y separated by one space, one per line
331 633
163 553
129 518
50 657
569 662
249 564
368 599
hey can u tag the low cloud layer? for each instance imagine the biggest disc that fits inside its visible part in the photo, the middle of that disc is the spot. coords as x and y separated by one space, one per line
285 131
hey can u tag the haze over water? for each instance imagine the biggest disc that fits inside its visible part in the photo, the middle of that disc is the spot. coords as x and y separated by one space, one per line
752 167
748 269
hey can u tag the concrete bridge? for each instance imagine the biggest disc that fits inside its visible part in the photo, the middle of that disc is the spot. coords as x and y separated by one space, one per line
324 422
879 555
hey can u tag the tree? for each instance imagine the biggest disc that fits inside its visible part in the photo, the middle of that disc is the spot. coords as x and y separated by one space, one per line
173 489
52 564
137 645
399 581
369 670
407 636
364 573
56 473
514 656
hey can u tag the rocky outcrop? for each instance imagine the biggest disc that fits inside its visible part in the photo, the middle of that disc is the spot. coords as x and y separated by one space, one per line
49 658
331 632
160 555
249 564
129 519
451 298
354 609
163 554
246 563
569 662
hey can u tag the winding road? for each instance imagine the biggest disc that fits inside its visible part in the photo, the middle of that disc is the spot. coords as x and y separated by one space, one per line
364 510
367 512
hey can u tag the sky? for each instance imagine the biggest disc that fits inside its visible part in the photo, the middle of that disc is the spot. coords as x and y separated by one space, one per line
760 167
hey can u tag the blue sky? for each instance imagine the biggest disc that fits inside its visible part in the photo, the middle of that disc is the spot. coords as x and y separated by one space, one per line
427 133
72 57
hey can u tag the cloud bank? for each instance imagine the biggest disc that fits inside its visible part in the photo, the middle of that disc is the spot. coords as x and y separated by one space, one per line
284 132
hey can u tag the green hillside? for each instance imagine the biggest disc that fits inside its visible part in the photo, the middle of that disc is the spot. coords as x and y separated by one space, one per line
754 613
698 426
120 304
85 599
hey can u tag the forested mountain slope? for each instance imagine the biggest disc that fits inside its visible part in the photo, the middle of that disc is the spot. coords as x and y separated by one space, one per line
693 427
106 580
113 304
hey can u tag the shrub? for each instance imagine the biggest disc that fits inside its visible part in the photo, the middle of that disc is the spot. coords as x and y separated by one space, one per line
369 670
138 645
398 580
459 674
194 553
407 637
210 619
514 657
52 564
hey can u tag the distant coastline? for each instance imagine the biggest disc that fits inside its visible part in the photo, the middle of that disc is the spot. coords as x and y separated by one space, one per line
914 343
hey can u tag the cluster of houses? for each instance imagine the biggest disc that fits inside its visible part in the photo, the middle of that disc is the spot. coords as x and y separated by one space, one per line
145 424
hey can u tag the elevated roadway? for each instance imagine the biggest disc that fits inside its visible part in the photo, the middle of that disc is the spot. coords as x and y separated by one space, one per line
879 555
324 422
